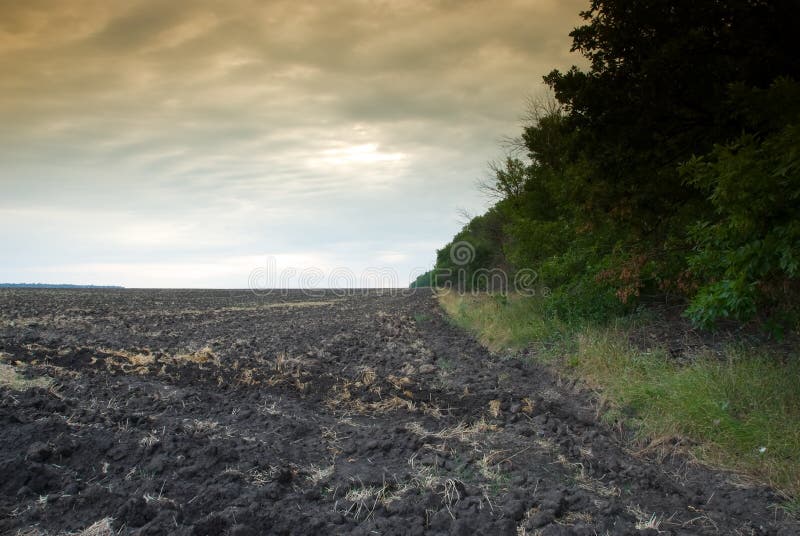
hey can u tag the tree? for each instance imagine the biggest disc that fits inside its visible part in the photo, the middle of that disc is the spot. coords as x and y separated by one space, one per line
507 181
657 91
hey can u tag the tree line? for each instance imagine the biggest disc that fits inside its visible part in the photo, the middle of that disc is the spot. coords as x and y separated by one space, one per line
667 170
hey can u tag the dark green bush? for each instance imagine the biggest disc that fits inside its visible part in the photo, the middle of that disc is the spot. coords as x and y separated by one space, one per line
751 240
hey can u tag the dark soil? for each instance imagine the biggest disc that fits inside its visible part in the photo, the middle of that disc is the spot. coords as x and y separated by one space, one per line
222 412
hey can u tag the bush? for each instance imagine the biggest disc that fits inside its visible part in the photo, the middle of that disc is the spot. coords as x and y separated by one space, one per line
750 245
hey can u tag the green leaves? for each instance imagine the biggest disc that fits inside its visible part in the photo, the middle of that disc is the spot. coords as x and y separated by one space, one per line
753 240
671 166
724 299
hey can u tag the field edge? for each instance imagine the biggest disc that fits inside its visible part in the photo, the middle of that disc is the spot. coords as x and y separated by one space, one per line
735 409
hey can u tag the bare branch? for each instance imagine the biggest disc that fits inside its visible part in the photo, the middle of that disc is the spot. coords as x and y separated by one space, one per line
464 217
540 106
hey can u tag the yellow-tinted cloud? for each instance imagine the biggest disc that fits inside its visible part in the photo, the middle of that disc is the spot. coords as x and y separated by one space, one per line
377 115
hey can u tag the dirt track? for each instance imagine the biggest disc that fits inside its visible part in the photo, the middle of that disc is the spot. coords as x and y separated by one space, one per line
220 412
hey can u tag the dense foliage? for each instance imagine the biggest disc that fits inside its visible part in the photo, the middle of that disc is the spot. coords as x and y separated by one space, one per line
668 170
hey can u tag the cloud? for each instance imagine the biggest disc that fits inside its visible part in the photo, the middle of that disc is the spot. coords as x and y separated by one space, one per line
157 132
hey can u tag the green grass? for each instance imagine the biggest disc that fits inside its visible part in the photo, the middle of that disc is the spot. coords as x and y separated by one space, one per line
741 411
503 324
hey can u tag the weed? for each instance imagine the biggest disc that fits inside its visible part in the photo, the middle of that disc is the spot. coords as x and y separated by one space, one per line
490 469
445 365
643 521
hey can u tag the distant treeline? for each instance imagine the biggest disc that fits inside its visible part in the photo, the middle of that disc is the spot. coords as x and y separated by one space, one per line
667 170
51 285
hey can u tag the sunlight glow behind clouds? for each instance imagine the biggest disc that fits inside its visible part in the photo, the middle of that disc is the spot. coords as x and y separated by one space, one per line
367 154
147 134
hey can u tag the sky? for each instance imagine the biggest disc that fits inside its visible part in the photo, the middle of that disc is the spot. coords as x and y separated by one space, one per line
213 144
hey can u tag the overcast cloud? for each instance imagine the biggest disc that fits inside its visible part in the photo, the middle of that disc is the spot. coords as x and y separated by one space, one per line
178 144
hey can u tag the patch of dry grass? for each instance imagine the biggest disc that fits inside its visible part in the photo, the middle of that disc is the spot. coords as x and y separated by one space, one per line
10 377
364 499
102 527
202 355
200 425
494 408
134 358
260 307
462 432
318 475
342 397
302 304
